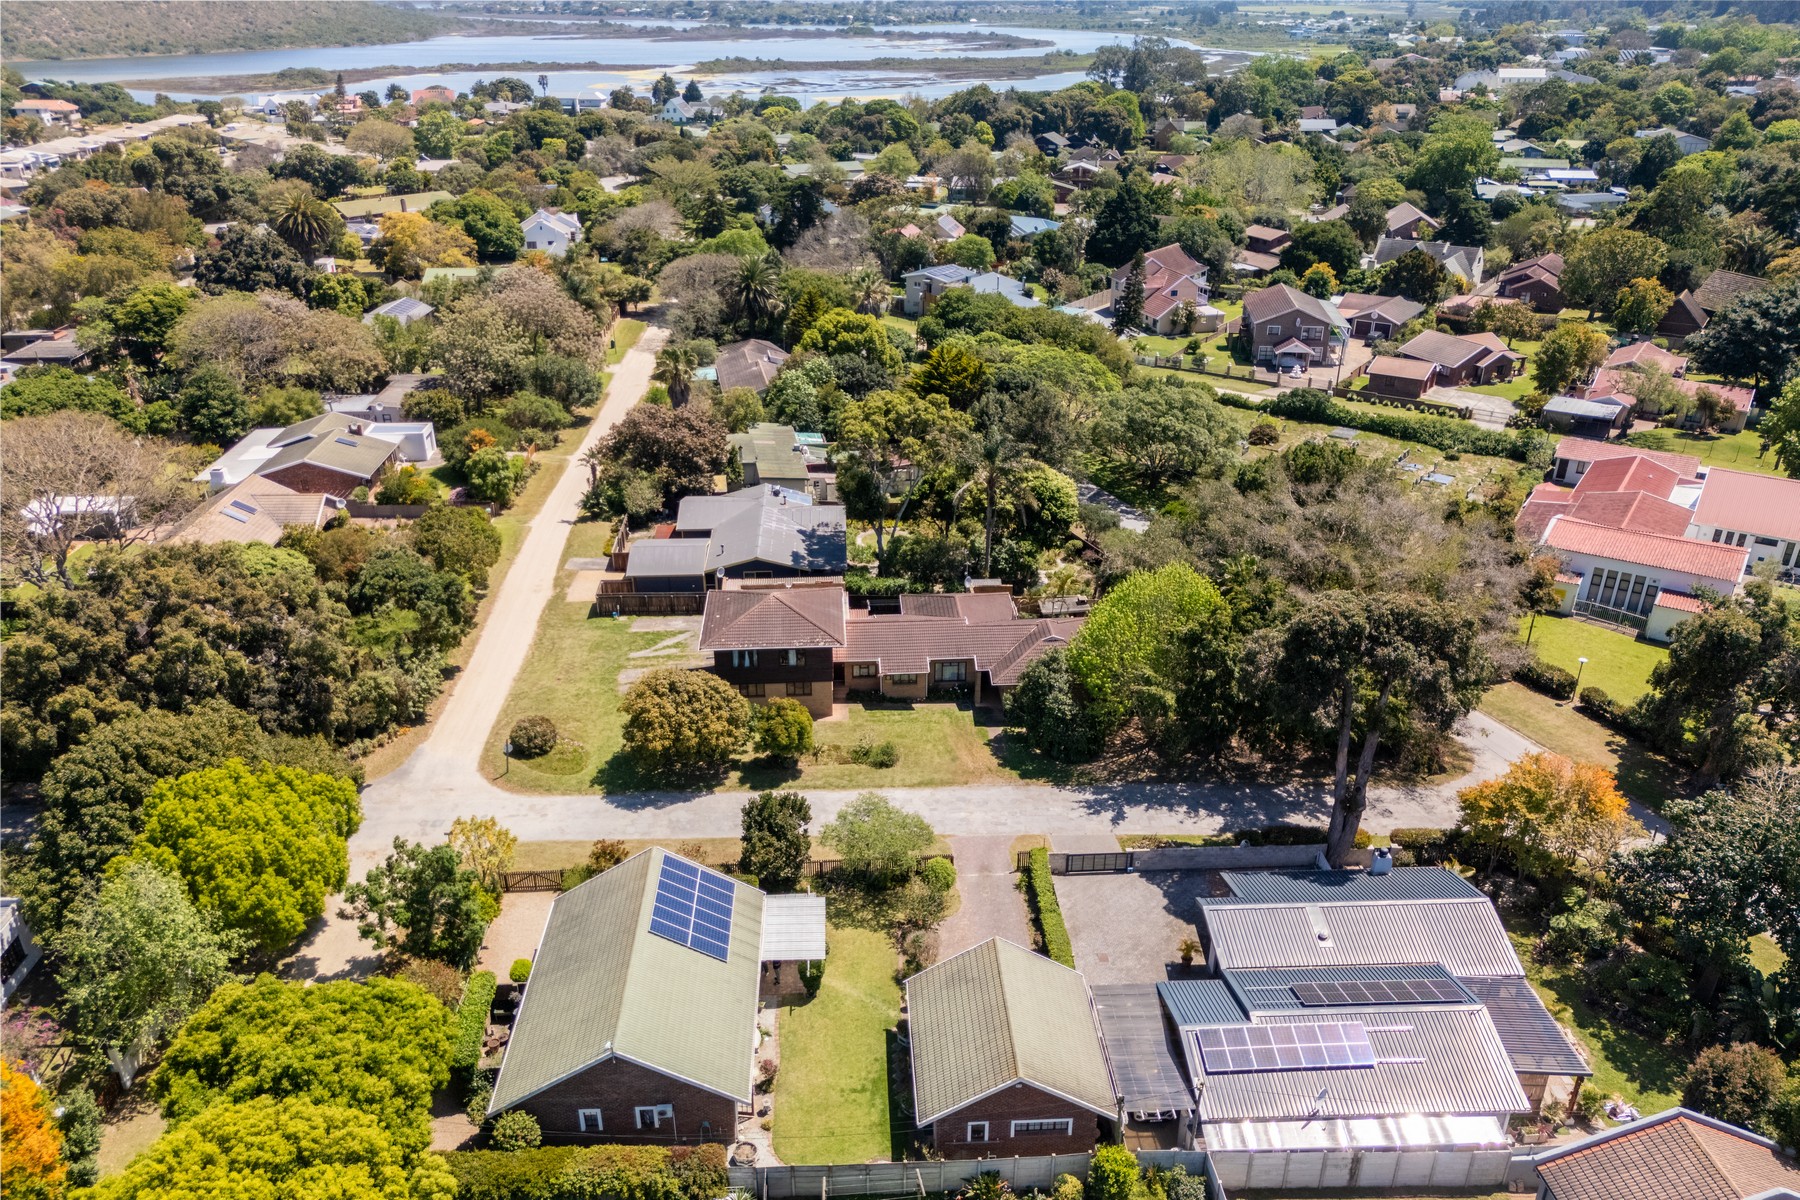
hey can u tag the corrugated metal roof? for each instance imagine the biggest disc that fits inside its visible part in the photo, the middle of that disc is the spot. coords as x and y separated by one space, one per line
1465 936
603 985
1530 1034
1194 1002
1349 887
1447 1061
793 928
1271 989
662 557
996 1014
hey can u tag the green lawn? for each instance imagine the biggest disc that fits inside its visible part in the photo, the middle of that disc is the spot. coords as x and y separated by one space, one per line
1617 664
1626 1064
1562 729
572 673
1468 470
1740 451
831 1093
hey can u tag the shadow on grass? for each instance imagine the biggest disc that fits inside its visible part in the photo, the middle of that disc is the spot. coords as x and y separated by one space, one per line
1646 776
903 1140
1645 1062
620 776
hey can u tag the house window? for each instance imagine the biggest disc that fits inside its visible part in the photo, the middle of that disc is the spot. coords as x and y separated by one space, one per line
1787 555
950 672
978 1131
1272 330
753 691
588 1120
1717 534
865 670
655 1116
1057 1125
743 658
793 658
903 679
759 574
530 245
1311 333
800 687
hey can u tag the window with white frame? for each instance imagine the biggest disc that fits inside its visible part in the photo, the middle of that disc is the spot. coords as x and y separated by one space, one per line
865 670
978 1132
1046 1125
655 1116
1272 330
955 671
588 1120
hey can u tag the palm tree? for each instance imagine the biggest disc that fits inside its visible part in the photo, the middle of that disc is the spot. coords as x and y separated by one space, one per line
303 220
999 461
871 290
754 294
675 367
1751 248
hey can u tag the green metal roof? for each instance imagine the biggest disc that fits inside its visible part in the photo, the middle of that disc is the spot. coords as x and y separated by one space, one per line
997 1014
603 986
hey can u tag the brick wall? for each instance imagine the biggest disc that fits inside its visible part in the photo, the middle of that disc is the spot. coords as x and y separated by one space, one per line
1020 1102
617 1088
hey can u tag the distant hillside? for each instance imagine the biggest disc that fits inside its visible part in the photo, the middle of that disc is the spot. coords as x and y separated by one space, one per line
118 28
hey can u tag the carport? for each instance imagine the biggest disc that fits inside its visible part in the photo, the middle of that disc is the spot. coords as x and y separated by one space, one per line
1154 1095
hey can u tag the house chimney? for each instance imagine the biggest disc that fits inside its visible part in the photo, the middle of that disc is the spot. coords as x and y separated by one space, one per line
215 479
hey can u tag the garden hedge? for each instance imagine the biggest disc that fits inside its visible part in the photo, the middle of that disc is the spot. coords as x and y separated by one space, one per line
1541 676
471 1026
1042 892
1441 433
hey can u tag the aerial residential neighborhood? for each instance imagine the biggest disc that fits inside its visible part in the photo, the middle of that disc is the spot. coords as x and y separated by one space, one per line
775 600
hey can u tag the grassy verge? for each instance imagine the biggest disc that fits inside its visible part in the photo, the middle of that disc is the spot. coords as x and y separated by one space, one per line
1740 451
1643 776
1643 1072
560 854
1617 664
831 1093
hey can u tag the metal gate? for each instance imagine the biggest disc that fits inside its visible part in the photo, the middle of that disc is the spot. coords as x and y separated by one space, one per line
1092 864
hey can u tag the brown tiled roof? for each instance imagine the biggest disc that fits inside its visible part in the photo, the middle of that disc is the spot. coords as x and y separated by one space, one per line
776 619
1547 266
1400 368
1610 381
1447 350
976 627
1720 288
1673 1154
1680 602
1279 298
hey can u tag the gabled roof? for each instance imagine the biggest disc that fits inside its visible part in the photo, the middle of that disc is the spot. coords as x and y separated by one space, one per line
1579 449
566 223
767 524
1646 353
1720 288
404 308
1762 504
1631 473
1279 299
603 986
752 363
253 510
1444 349
326 441
1400 368
942 273
1461 260
1711 1159
1688 309
1397 310
1405 213
997 1014
1465 936
662 558
773 618
1708 560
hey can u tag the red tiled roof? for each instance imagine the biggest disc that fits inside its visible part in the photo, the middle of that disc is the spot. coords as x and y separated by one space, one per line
1701 1159
1762 504
1680 602
1618 382
1637 473
1704 559
1587 450
782 619
1639 511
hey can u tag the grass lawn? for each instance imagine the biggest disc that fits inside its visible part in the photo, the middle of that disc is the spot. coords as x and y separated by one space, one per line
572 673
1765 955
1618 665
831 1094
1643 1072
1514 389
1740 451
1562 729
1468 470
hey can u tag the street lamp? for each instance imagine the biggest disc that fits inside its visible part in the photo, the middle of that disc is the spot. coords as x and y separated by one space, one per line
1580 665
506 750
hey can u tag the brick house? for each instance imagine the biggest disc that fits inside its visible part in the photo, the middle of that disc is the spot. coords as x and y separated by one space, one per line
1408 378
639 1020
331 453
1373 318
1535 281
1684 319
1407 220
1006 1056
1172 279
1288 328
1478 358
1708 1157
774 641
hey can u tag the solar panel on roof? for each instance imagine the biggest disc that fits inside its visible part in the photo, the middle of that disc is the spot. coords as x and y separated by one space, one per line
239 504
693 907
240 517
1378 991
343 441
1244 1049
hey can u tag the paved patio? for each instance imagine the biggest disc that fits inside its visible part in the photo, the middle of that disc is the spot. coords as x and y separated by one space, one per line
1128 928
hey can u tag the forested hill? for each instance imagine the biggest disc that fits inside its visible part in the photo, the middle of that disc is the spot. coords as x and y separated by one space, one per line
117 28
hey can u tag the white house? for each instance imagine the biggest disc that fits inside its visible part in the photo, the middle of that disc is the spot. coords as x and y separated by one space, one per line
1636 577
928 283
677 111
53 113
1759 514
552 231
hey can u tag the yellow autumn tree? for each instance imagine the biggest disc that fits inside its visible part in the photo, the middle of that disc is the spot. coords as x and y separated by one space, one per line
1550 815
31 1165
410 242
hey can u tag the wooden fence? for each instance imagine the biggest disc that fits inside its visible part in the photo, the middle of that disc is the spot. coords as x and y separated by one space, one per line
644 604
926 1178
531 881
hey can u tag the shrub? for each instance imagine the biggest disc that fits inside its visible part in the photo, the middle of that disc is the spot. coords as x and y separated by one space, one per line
703 1171
80 1120
1541 676
475 1103
1041 891
1589 1107
1588 927
516 1130
521 970
1179 1185
939 873
1068 1187
986 1186
1596 701
1113 1174
1421 846
533 737
1263 433
574 877
520 1175
618 1173
471 1025
441 980
1734 1083
881 755
408 485
782 728
766 1070
683 723
607 853
920 949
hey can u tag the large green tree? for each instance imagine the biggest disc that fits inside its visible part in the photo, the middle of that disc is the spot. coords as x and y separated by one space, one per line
1756 336
1132 639
883 442
1164 432
776 844
133 959
1606 261
1458 149
875 837
422 902
683 723
1568 356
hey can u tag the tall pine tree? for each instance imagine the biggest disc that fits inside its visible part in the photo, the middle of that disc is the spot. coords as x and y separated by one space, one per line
1128 305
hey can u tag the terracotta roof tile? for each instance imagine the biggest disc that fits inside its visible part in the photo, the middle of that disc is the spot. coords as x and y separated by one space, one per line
1636 473
1705 559
1674 1149
1587 450
1762 504
787 618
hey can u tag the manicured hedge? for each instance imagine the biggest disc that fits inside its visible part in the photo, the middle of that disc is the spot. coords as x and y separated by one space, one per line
1609 712
1042 892
471 1025
1417 846
510 1175
1541 676
591 1173
1442 433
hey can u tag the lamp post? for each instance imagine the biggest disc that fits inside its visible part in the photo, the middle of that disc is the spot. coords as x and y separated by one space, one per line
1580 666
506 752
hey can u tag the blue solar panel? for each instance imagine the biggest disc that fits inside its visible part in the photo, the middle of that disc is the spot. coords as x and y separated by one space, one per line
693 907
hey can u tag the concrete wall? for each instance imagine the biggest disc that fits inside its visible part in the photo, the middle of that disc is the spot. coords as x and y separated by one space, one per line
1233 858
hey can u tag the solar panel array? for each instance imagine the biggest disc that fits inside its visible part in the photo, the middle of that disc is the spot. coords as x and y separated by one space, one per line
693 907
1241 1049
1378 991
